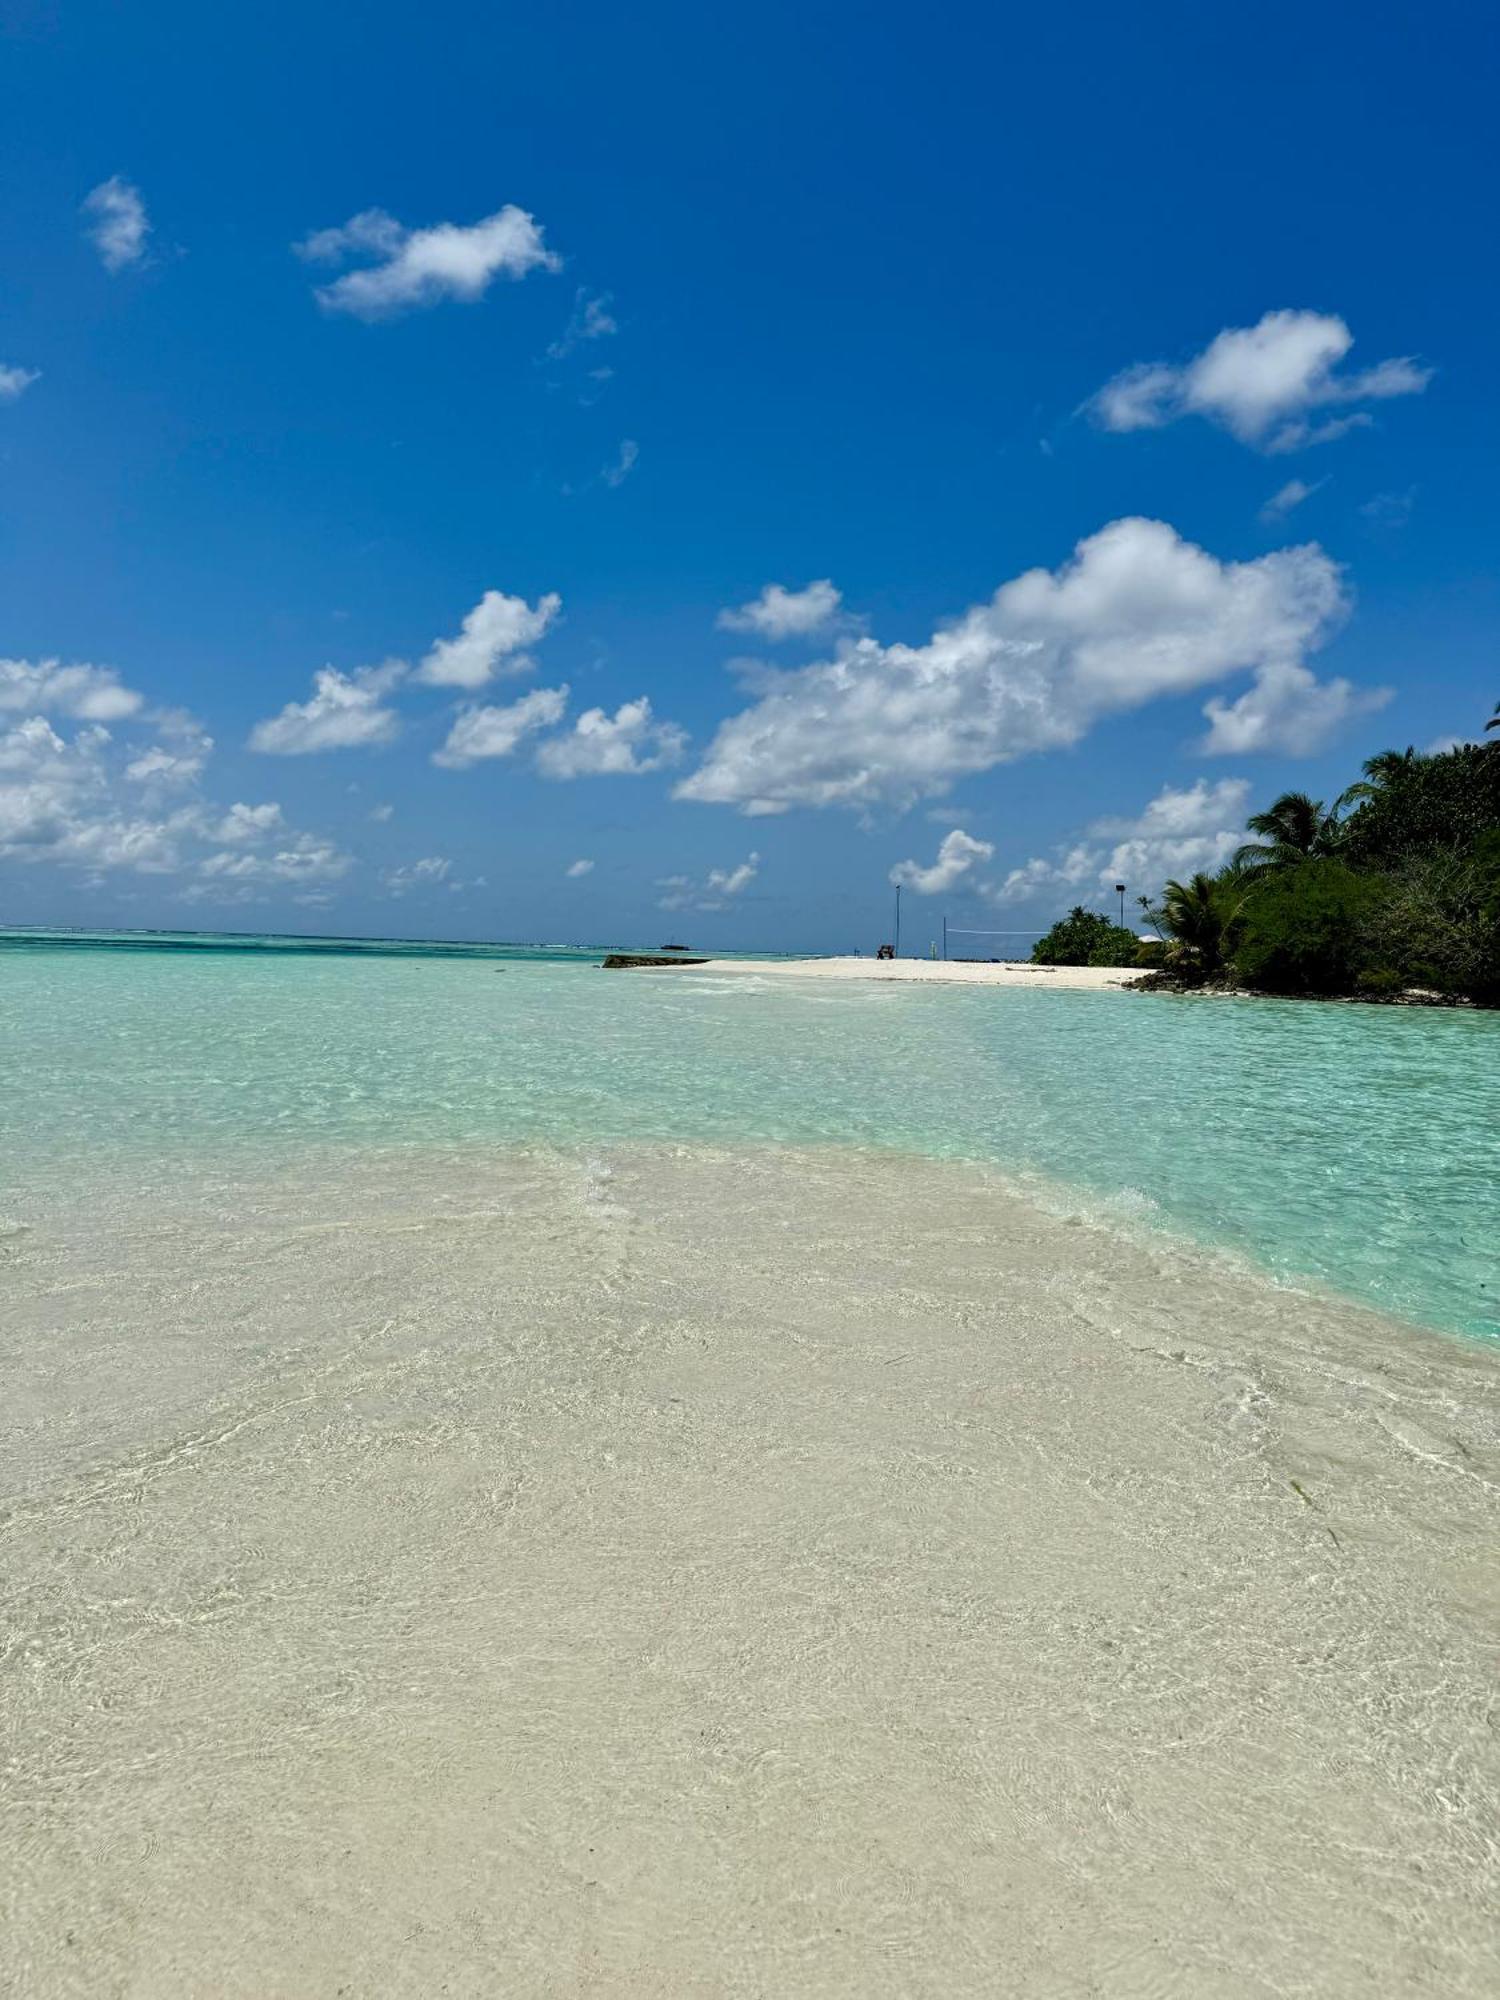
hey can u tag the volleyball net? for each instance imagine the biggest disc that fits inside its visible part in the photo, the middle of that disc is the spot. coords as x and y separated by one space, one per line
953 932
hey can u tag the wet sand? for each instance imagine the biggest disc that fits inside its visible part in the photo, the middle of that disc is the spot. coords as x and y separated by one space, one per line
668 1571
956 972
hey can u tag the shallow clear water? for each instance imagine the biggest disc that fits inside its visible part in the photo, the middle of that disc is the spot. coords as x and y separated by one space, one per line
1355 1147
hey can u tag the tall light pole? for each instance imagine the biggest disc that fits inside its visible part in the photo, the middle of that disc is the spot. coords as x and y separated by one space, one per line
1120 892
896 947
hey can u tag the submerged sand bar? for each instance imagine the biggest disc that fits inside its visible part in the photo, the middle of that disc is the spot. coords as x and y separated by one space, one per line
956 972
690 1571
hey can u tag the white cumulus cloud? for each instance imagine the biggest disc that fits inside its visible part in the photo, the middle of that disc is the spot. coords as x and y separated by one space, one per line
955 858
730 881
478 733
345 712
92 694
14 380
1263 383
164 768
30 745
1181 831
1136 614
421 267
1287 709
118 223
175 762
620 745
74 802
1068 868
305 859
243 825
779 613
490 641
575 869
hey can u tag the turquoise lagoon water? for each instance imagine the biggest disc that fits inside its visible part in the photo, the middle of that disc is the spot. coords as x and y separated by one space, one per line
1357 1148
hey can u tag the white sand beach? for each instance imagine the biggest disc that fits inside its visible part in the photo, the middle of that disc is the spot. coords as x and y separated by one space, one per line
683 1571
956 972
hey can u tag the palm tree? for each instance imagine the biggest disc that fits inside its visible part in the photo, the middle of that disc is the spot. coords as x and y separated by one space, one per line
1494 721
1385 769
1293 828
1190 911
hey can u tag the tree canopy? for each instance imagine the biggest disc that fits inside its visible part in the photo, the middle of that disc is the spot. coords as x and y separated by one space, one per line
1396 885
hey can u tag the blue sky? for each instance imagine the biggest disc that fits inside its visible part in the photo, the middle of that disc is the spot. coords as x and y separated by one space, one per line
1105 369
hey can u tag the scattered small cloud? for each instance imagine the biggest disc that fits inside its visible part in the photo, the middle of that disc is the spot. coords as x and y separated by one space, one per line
351 710
424 874
1285 498
305 859
731 881
345 712
591 320
15 381
719 887
175 764
481 733
1390 510
955 859
381 813
118 223
92 694
577 869
1068 868
1181 831
243 825
624 744
1261 383
102 804
422 267
490 641
779 613
617 473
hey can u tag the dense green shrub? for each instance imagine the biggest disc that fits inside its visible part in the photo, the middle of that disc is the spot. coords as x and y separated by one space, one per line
1379 983
1119 948
1084 937
1397 885
1303 929
1415 805
1430 924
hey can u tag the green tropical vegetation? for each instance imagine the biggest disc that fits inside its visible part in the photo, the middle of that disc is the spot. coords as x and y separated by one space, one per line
1394 887
1084 937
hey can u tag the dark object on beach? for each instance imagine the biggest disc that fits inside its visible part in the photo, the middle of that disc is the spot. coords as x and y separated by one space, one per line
629 961
886 951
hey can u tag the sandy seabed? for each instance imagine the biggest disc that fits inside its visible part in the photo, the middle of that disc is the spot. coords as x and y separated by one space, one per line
693 1572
